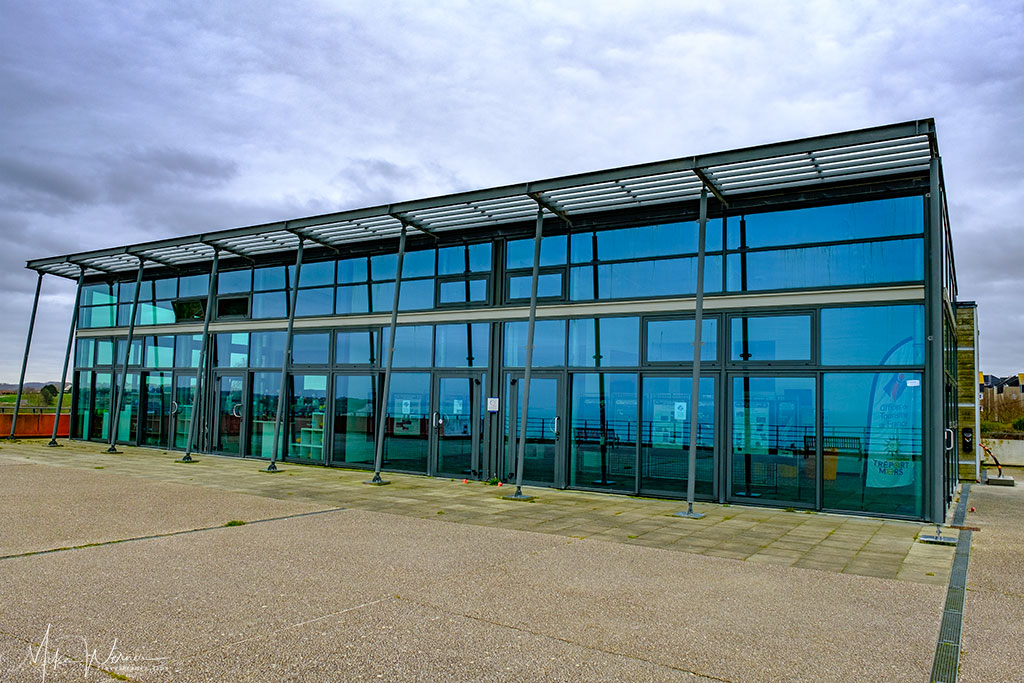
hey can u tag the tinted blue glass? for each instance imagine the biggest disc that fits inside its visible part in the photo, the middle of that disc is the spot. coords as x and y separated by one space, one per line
84 353
548 342
418 264
382 297
193 285
267 349
158 313
863 220
778 337
229 282
352 270
463 345
187 348
452 260
548 284
314 274
519 253
232 350
416 295
671 341
100 293
604 342
871 450
165 288
311 349
581 247
383 266
270 305
454 291
271 277
665 435
126 294
873 335
97 316
136 354
603 431
356 348
352 299
104 352
840 265
316 301
667 239
413 345
159 352
641 279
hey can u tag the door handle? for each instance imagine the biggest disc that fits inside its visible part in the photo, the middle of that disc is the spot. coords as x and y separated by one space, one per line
554 428
237 410
950 439
437 420
174 407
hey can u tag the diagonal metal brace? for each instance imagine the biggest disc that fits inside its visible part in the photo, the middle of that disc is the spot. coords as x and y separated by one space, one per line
303 234
709 182
410 222
546 203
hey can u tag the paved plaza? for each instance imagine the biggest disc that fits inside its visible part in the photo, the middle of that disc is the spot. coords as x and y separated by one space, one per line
134 565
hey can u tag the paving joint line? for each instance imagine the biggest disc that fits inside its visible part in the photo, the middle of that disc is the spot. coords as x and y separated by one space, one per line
169 534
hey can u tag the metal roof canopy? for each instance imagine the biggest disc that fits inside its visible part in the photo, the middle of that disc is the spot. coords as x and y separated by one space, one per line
870 153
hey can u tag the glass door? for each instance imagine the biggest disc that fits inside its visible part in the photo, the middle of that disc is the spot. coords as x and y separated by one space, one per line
307 409
181 409
603 431
230 403
772 440
543 460
157 409
407 427
457 422
354 420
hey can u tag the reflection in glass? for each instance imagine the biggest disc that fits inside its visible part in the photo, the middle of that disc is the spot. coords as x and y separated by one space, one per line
184 400
356 348
604 342
312 348
316 301
306 409
270 305
873 335
460 291
193 285
84 353
519 253
232 350
671 341
158 408
101 408
352 270
83 406
766 338
638 279
548 285
665 437
352 299
267 349
355 398
128 418
104 351
413 345
548 343
773 452
159 352
266 387
603 431
187 349
407 426
471 258
234 281
462 345
459 426
230 410
542 428
871 425
270 277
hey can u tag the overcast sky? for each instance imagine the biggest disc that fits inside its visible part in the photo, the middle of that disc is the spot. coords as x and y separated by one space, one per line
124 122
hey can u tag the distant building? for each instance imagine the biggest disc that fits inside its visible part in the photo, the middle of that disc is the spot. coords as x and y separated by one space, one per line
1002 399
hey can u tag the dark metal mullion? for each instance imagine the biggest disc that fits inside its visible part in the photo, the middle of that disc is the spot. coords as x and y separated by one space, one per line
24 361
286 361
119 404
204 347
67 357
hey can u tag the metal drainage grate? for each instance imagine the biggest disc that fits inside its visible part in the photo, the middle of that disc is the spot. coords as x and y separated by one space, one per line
961 508
947 652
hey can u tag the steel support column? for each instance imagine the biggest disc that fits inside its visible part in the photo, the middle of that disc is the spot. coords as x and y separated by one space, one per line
24 361
934 443
698 318
67 359
378 457
204 347
116 415
521 449
286 362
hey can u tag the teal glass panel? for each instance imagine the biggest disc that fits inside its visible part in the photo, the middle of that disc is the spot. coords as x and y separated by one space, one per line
641 279
407 426
461 345
232 350
184 400
771 338
352 270
871 450
269 305
665 436
234 281
311 349
352 299
861 220
548 343
833 266
604 431
471 258
266 388
85 353
519 253
307 407
548 285
135 358
270 277
100 425
773 432
671 341
98 293
604 342
83 406
312 302
873 335
193 286
355 398
187 349
356 348
97 316
413 346
266 349
156 313
104 352
128 418
159 352
126 291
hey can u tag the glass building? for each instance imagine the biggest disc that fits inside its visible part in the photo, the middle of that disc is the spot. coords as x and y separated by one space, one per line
819 273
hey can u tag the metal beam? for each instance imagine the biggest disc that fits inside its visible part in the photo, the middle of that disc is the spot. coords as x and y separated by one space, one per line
24 361
546 203
204 346
286 362
304 235
116 414
710 184
67 358
216 246
158 261
408 221
378 458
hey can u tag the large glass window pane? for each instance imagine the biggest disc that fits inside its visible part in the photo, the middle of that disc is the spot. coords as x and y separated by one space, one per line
85 353
104 352
234 281
861 220
463 291
270 305
83 406
193 285
604 431
135 358
97 316
873 335
165 288
462 345
416 295
352 270
548 343
98 293
472 258
187 350
100 424
184 400
665 435
382 295
352 299
355 398
311 349
266 387
126 291
128 418
542 439
232 350
159 352
158 313
639 279
307 405
318 301
604 342
316 274
407 427
773 431
671 341
418 264
548 285
519 253
356 348
768 338
383 266
838 265
270 277
413 346
189 310
157 409
871 450
267 349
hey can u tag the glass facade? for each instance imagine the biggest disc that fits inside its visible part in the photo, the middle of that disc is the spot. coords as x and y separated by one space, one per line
812 402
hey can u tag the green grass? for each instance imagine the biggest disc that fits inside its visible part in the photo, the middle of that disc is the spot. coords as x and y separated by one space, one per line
235 522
